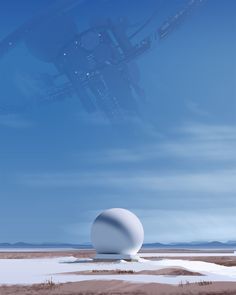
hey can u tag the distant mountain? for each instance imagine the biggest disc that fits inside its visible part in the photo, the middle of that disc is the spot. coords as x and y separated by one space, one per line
194 245
190 245
22 245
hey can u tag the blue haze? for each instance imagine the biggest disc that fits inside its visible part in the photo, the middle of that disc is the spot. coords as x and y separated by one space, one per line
174 165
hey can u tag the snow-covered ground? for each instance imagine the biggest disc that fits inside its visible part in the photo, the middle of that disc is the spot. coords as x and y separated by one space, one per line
60 270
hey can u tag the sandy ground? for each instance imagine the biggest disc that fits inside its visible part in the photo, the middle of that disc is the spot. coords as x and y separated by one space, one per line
121 288
47 254
165 272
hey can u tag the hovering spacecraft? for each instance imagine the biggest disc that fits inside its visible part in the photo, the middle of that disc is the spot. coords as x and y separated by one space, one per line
97 64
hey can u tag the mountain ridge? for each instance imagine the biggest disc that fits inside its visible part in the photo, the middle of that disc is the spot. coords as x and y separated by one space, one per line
211 244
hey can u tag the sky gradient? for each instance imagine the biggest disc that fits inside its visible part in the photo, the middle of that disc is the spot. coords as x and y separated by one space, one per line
174 165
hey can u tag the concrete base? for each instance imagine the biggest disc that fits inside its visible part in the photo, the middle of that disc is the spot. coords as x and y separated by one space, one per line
115 257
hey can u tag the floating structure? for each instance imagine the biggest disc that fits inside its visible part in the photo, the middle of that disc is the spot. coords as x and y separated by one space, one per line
117 234
96 64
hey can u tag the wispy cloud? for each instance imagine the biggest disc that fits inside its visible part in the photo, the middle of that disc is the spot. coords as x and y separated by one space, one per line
193 142
185 185
170 225
205 182
190 225
196 144
204 142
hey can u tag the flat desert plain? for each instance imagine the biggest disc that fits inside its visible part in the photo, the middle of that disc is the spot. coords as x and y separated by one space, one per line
157 272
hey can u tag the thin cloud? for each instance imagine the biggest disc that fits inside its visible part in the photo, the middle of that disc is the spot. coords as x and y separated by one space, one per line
196 145
193 142
179 225
207 182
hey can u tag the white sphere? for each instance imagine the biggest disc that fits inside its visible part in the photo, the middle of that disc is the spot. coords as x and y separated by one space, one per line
117 231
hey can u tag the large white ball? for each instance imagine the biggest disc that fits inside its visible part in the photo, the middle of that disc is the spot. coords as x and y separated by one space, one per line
117 231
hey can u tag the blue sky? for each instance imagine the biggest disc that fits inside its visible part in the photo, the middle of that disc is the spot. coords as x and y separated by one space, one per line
174 165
